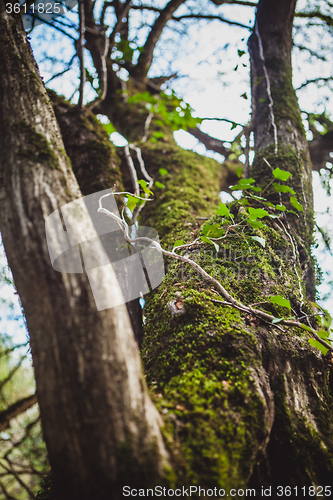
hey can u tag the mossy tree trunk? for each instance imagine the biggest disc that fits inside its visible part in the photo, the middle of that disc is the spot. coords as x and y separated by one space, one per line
99 423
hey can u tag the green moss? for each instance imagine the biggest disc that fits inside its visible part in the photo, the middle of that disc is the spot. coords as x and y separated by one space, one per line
201 365
37 149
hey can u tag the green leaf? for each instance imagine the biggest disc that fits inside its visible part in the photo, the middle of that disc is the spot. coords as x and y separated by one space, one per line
144 185
292 212
256 224
223 210
244 95
269 204
280 301
158 135
282 175
257 189
283 189
207 240
259 240
163 171
277 320
241 53
281 207
131 203
109 128
295 204
305 327
255 197
257 213
246 181
318 345
323 334
239 170
178 243
160 185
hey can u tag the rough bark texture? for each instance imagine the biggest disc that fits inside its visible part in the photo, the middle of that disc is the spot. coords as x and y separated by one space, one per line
98 421
95 164
273 33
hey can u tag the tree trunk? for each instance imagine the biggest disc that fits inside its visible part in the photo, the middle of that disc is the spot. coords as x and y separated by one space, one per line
99 424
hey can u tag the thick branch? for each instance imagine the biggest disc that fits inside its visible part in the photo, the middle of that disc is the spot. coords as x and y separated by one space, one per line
211 143
146 56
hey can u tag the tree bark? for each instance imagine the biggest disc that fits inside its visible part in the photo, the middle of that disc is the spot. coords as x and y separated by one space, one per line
99 424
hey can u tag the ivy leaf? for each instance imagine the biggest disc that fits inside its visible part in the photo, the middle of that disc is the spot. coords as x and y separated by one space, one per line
160 185
282 175
178 243
256 224
257 213
158 135
163 171
223 210
277 320
214 230
240 53
281 207
109 128
246 181
280 301
295 204
239 170
318 345
131 202
259 240
207 240
283 189
307 328
269 204
144 185
292 212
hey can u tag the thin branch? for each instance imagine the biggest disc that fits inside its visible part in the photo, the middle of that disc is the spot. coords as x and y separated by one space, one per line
15 409
19 480
315 15
211 18
119 23
102 17
315 80
69 65
53 25
80 52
